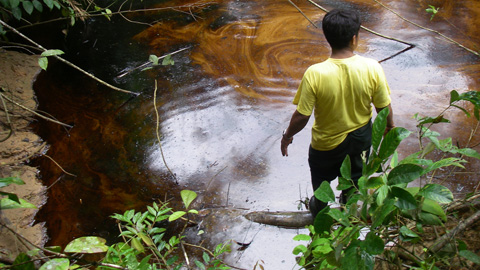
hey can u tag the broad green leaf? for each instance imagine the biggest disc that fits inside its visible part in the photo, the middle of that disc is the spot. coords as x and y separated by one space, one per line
136 244
52 52
205 257
467 152
378 128
321 250
405 199
452 161
17 13
167 60
23 262
193 211
433 207
200 265
14 3
382 212
374 182
153 59
344 183
391 142
49 3
408 235
322 223
87 244
298 249
382 193
38 6
437 193
57 4
394 161
429 219
7 203
374 244
56 264
43 62
403 174
302 237
346 168
471 256
187 197
176 215
145 239
325 193
454 96
10 180
339 216
28 6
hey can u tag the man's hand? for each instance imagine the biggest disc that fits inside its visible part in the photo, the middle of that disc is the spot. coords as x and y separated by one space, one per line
284 145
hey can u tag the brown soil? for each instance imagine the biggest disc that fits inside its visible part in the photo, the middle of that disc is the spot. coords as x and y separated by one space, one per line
17 73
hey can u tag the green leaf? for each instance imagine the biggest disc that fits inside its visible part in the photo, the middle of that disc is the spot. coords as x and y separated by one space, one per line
38 6
378 128
429 219
302 237
87 244
145 239
382 212
404 173
346 168
176 215
28 6
391 141
17 13
374 182
298 249
344 183
136 244
471 256
7 203
49 3
452 161
322 223
408 235
14 3
56 264
200 265
52 52
23 262
382 193
167 60
325 193
374 244
339 216
433 207
43 62
187 197
153 59
437 193
405 199
10 180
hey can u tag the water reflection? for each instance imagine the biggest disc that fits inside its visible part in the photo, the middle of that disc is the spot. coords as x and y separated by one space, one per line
223 106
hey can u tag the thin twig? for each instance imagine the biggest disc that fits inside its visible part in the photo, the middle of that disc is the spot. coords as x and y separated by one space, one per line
301 12
68 62
37 114
158 134
71 174
10 125
209 182
428 29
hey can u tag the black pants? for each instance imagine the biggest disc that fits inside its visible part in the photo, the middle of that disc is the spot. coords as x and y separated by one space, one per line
325 165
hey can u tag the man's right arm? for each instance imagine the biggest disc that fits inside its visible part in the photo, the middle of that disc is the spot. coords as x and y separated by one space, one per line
390 123
297 123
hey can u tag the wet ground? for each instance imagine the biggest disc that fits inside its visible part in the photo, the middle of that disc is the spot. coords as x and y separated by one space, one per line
222 108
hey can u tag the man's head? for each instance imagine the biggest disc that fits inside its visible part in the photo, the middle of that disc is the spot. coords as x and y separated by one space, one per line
339 27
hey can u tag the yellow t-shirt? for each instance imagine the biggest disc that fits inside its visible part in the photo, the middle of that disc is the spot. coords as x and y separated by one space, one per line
340 93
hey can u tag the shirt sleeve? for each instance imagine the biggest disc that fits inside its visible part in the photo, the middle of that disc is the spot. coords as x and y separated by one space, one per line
305 97
381 96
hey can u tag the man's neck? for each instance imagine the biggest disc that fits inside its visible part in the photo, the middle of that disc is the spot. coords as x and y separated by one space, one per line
342 53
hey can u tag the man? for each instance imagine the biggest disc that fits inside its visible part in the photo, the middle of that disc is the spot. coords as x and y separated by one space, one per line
339 91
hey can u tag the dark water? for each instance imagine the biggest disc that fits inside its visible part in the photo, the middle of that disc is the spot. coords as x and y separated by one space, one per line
222 108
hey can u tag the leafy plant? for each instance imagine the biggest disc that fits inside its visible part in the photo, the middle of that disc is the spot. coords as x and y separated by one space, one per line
384 211
12 201
43 60
144 245
433 10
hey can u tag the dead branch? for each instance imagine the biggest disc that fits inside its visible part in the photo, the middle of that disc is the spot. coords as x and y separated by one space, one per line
37 114
442 241
58 165
68 62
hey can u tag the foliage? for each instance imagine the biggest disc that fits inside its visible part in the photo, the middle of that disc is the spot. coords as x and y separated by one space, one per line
144 245
12 201
43 60
432 10
383 211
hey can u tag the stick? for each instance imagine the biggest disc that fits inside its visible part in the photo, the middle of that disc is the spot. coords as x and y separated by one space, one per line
58 165
68 62
37 114
428 29
442 241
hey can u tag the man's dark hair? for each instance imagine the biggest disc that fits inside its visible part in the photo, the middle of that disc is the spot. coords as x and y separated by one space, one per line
339 26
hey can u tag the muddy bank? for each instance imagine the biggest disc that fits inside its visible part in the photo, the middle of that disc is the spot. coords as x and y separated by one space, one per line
17 146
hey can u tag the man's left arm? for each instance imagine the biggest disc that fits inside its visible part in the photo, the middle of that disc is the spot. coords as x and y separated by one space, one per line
297 123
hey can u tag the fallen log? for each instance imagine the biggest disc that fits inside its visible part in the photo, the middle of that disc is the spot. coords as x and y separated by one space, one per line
296 219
